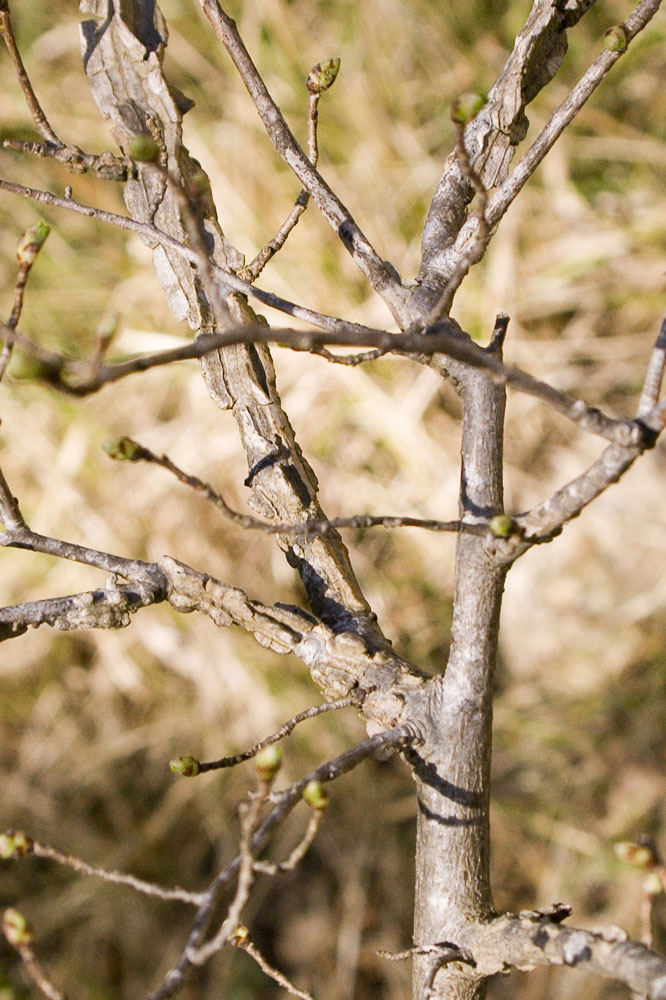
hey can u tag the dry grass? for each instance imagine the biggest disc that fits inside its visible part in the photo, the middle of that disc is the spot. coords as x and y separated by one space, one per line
87 722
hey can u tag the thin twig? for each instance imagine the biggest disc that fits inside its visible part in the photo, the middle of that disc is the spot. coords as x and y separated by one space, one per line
654 375
285 730
129 569
24 269
560 119
252 270
286 801
250 816
118 878
298 853
106 165
382 275
126 448
157 237
246 945
38 974
38 116
482 232
10 514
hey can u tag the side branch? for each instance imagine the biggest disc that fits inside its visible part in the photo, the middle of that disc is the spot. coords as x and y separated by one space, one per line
526 941
560 119
382 275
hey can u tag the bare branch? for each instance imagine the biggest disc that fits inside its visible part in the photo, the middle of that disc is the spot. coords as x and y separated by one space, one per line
298 853
28 249
560 119
547 519
381 274
28 846
441 338
526 941
243 942
125 448
136 570
482 235
229 281
38 973
286 801
285 730
106 165
654 375
111 608
494 133
38 116
315 85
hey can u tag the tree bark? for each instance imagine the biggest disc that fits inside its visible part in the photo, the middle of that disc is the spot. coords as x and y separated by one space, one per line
453 769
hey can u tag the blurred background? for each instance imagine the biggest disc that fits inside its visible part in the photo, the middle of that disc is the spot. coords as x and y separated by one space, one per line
89 721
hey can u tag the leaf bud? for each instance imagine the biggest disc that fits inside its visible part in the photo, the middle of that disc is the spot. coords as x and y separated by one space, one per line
31 242
187 766
653 885
322 75
144 149
198 184
240 935
467 106
638 855
15 844
268 762
16 928
123 449
315 795
501 526
615 39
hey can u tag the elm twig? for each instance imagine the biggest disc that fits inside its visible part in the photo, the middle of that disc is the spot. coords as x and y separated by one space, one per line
442 337
382 275
560 119
32 966
284 802
310 713
125 449
298 853
28 248
15 844
241 940
227 279
317 81
482 232
250 817
105 165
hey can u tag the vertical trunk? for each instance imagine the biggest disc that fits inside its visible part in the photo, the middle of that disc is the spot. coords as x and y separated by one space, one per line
453 772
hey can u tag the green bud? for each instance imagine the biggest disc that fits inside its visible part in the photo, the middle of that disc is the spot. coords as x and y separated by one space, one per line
615 39
501 526
322 76
652 885
315 795
240 935
187 766
16 928
268 762
31 243
638 855
108 326
123 449
467 106
198 184
144 149
15 844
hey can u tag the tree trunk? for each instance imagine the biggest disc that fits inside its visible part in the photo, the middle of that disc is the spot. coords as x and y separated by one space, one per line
452 859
